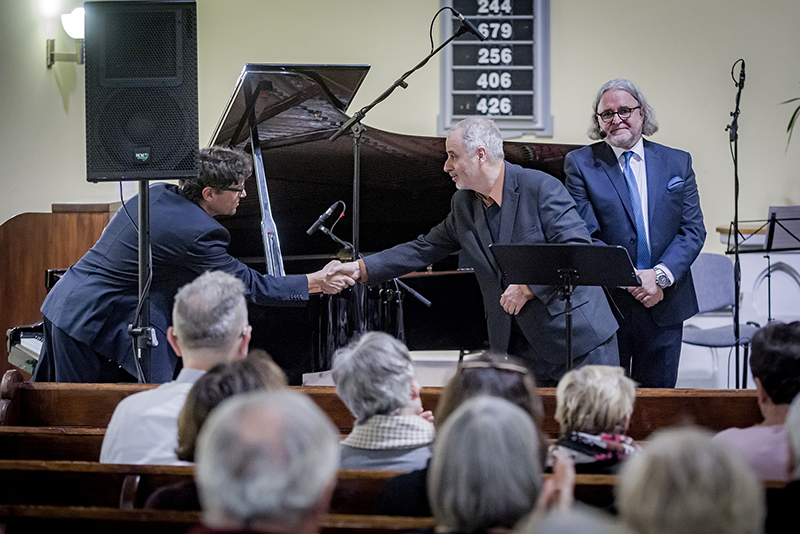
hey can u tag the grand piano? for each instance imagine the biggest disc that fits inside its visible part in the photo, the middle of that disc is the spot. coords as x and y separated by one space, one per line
284 115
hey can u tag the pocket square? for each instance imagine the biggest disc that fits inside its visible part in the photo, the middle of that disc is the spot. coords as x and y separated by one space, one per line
675 183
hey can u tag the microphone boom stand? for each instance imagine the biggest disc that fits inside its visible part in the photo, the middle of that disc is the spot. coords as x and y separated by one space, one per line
357 129
733 127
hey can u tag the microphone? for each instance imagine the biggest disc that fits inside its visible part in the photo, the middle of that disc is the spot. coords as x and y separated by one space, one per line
321 220
741 76
603 134
469 26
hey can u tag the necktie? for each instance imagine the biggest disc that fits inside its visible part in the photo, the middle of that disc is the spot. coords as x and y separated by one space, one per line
642 249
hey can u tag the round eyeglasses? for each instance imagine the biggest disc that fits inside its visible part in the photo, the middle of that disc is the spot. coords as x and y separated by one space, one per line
624 114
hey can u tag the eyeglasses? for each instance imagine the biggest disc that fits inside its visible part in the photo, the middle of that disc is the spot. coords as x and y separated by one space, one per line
237 190
483 364
624 114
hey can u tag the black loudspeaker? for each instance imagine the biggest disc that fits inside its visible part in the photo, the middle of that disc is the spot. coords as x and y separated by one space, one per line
141 90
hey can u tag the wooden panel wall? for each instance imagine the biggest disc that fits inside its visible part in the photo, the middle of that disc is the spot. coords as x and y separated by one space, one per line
30 244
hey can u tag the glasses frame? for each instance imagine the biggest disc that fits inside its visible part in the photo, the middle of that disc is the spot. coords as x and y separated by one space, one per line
237 190
618 113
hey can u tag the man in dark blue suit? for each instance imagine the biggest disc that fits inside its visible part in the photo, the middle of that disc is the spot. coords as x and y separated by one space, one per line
643 196
499 202
87 313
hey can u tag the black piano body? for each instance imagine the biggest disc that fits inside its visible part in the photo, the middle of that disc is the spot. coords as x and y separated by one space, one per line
292 110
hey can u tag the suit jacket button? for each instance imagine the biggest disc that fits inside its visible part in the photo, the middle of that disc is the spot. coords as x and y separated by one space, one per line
633 241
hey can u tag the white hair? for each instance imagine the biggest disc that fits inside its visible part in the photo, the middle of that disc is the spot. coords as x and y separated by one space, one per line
683 482
485 471
373 376
210 311
479 132
650 124
265 457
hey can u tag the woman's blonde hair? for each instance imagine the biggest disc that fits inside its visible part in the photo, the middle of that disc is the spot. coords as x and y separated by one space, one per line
595 399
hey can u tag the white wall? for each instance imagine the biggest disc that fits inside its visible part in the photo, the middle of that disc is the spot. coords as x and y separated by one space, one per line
680 53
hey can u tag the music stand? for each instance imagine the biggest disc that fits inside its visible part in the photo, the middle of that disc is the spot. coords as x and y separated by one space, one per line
566 266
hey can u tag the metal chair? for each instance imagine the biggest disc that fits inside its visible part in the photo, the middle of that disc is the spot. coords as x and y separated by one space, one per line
714 285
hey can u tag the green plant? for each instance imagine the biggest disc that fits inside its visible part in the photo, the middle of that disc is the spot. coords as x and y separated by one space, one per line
792 121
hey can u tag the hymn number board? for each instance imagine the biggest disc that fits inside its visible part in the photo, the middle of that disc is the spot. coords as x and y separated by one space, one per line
505 77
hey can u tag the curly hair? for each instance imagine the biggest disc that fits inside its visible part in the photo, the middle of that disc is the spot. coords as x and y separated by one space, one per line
219 168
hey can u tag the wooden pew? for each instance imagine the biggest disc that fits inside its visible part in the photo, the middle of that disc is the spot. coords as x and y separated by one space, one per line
61 483
91 405
64 483
32 519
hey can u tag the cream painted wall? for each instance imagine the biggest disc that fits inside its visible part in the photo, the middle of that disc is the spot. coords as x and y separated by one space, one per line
679 52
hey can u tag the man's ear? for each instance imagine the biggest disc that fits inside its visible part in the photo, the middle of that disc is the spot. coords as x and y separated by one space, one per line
243 346
481 153
173 341
415 389
207 194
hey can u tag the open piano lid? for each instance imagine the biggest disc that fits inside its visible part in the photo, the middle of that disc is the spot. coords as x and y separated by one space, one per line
295 99
404 189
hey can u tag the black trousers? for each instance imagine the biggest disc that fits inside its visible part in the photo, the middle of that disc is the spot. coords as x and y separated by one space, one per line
65 359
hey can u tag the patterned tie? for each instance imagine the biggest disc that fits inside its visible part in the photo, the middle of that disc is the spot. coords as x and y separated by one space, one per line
642 249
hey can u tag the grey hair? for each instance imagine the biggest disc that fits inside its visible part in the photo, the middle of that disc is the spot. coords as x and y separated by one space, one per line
792 427
485 471
210 312
683 482
373 375
583 519
595 399
650 125
265 457
481 132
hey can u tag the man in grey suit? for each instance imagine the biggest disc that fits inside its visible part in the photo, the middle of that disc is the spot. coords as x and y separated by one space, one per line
642 196
499 202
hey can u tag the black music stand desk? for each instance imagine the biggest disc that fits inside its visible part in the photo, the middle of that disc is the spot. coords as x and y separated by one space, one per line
566 266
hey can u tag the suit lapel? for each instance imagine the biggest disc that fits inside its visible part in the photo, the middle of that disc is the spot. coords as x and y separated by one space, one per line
655 180
508 212
610 165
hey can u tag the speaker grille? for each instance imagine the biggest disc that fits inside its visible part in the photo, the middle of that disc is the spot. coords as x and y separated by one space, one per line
141 90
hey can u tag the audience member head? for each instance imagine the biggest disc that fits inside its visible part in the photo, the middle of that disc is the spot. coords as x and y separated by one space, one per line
793 433
267 461
499 375
209 321
582 519
254 373
374 375
480 132
649 124
219 168
775 361
485 471
595 399
683 482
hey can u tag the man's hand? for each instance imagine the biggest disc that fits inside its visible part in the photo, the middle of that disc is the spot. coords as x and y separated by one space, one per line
329 279
649 293
514 298
350 269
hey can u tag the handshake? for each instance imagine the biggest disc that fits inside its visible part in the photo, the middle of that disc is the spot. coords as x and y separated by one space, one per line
334 277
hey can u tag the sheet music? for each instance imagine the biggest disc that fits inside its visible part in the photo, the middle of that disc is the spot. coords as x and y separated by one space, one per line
786 235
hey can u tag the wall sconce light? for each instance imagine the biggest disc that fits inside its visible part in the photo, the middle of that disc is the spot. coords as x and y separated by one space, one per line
73 25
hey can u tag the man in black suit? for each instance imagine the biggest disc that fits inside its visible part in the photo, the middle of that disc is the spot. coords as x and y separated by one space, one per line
499 202
87 313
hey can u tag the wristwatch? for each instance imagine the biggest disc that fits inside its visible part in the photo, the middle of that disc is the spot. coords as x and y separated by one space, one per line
661 277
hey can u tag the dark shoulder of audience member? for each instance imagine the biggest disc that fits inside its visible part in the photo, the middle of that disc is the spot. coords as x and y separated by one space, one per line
255 373
494 374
